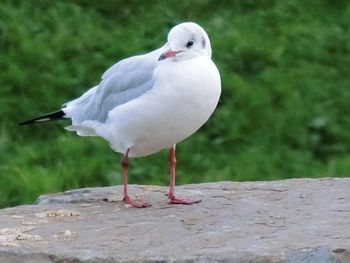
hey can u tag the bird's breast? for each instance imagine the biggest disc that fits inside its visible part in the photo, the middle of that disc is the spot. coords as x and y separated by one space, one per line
182 99
194 83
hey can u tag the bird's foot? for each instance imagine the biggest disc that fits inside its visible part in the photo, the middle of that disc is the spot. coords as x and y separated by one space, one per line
182 201
134 203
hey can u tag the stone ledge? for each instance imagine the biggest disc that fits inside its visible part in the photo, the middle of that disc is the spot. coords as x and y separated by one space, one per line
289 221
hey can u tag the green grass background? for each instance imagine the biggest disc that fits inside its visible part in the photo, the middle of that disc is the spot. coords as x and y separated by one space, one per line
284 110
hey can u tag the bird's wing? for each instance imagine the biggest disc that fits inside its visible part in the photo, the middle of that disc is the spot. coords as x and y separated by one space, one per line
123 82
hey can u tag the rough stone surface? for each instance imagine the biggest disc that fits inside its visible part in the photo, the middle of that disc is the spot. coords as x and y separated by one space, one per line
290 221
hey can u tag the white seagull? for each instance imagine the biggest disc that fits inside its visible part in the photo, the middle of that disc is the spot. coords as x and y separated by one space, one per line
150 102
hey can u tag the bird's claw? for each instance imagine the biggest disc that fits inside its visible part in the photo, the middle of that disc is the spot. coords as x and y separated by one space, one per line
134 203
182 201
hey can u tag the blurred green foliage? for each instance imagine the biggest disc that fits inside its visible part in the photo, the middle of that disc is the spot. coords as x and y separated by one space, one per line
284 110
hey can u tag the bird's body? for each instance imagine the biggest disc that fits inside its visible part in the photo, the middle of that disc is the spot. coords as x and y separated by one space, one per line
174 108
146 103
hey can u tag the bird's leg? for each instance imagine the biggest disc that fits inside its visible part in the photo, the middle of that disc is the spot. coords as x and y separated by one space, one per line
127 199
171 195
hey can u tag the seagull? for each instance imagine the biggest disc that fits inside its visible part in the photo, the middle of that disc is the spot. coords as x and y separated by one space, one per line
149 102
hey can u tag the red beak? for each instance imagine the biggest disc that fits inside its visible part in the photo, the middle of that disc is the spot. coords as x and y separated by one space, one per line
167 54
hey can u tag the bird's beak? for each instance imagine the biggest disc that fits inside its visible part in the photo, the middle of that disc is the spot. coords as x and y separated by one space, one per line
167 54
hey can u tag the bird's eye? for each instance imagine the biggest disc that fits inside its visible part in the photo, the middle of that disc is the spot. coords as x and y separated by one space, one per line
189 44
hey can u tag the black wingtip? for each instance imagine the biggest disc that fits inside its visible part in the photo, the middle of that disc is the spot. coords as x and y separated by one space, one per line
25 122
57 115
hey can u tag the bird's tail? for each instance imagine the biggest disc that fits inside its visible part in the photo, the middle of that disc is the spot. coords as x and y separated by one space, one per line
57 115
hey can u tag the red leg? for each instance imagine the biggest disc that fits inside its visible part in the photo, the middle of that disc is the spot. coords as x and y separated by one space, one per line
171 195
127 199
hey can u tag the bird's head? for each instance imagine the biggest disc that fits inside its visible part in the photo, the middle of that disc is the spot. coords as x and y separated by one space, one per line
185 41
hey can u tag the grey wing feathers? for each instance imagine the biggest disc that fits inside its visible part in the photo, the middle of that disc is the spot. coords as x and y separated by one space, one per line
121 83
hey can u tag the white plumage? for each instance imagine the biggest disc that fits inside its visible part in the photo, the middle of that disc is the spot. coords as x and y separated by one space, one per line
146 105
